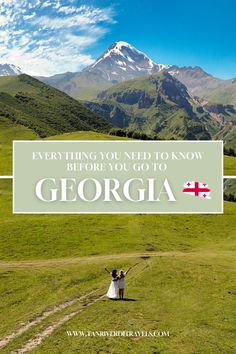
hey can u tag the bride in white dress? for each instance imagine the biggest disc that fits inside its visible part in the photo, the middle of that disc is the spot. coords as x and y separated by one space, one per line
112 291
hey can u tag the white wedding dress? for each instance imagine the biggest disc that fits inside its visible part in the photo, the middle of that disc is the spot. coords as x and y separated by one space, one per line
112 291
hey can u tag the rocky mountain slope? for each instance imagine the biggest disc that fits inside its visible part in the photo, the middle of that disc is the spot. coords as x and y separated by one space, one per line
157 104
206 86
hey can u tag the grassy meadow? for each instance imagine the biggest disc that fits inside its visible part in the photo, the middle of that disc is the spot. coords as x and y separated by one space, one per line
8 133
229 166
173 294
183 285
53 279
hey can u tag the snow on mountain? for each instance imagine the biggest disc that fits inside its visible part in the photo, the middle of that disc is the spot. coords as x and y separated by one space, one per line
122 61
9 70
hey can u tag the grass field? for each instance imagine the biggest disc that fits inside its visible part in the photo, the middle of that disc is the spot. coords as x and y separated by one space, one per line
185 285
8 133
229 166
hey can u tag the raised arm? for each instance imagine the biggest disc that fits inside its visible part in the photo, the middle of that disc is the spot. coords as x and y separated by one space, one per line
131 268
128 270
107 270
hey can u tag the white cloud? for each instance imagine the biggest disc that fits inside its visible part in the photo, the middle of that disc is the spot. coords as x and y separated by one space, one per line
48 37
27 17
67 9
3 20
46 4
86 17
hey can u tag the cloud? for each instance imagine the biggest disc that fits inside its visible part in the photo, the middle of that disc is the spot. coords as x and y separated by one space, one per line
27 17
53 36
3 21
82 18
46 4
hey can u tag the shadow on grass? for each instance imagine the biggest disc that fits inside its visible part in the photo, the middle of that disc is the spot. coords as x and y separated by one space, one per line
125 299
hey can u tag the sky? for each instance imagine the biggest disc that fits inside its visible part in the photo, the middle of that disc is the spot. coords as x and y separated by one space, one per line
45 37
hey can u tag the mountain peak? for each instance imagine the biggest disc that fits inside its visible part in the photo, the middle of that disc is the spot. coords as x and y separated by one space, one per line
122 61
121 44
123 48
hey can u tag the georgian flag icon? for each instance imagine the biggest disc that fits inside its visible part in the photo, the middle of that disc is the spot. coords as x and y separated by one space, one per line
197 189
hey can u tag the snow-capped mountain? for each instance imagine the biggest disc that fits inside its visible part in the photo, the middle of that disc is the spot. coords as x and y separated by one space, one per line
9 70
122 62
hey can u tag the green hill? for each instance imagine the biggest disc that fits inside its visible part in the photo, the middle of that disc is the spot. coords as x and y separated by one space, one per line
82 85
43 109
219 91
228 135
157 104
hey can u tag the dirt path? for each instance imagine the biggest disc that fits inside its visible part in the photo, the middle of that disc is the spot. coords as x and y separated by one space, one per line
37 340
39 318
92 259
32 343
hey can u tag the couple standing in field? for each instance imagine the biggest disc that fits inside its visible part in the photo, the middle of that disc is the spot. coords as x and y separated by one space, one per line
117 283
